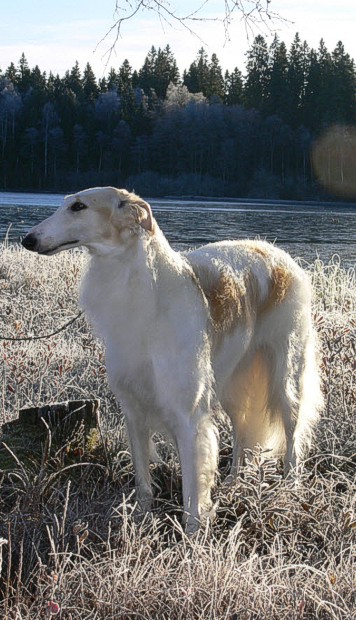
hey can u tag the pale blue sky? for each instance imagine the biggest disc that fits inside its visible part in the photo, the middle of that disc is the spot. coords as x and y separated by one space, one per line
56 33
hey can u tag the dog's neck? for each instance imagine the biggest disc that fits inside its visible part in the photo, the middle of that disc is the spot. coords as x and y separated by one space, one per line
134 285
140 256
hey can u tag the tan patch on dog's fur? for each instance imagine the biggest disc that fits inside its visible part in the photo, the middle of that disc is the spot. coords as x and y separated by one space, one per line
281 279
231 300
224 302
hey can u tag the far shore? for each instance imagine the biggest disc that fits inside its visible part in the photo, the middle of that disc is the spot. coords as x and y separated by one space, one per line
249 202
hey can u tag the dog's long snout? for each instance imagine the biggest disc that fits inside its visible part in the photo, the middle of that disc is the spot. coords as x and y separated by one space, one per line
30 242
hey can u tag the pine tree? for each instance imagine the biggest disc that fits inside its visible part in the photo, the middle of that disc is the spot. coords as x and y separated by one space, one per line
125 75
73 80
159 69
342 95
318 89
38 79
326 83
89 84
196 79
11 73
24 75
278 92
35 98
216 85
311 95
147 71
233 87
256 83
296 80
165 71
103 85
126 90
112 82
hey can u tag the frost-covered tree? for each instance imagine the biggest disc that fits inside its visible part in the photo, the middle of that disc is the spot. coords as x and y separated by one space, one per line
178 96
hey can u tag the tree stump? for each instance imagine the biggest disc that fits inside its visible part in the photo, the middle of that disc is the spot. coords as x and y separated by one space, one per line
62 418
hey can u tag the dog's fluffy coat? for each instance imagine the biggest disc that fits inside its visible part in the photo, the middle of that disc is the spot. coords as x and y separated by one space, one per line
227 325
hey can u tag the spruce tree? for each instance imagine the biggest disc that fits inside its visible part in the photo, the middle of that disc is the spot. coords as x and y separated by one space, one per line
318 89
196 79
216 85
277 92
11 73
24 75
165 71
90 87
233 87
73 80
342 94
147 71
125 75
296 81
126 90
311 95
257 78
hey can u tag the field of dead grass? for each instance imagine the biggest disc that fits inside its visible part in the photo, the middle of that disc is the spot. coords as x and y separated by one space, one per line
71 542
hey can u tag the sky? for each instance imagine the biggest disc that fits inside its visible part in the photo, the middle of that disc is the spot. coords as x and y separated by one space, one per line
54 34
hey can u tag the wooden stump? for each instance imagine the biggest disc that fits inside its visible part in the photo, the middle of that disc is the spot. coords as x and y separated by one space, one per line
62 418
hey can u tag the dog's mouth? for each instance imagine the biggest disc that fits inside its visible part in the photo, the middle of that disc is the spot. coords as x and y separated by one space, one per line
58 248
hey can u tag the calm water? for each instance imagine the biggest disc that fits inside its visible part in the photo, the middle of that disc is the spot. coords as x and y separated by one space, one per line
305 231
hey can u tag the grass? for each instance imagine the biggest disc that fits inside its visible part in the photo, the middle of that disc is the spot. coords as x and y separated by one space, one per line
72 543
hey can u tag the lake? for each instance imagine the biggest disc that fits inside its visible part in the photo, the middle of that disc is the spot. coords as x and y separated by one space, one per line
306 230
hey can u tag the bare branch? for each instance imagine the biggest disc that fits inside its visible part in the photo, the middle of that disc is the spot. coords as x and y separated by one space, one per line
254 13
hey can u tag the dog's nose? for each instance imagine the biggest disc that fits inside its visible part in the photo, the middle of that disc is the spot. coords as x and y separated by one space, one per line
30 242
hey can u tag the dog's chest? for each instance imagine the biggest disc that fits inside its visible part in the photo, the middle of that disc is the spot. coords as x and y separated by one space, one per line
119 308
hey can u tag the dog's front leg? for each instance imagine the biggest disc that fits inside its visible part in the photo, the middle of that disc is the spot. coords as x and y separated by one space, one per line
139 440
198 453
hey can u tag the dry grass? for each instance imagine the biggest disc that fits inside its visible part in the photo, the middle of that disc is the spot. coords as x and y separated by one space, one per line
74 543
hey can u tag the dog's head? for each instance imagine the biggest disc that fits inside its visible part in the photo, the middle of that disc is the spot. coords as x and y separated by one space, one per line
101 218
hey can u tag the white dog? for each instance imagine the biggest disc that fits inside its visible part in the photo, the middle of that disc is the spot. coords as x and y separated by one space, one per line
227 325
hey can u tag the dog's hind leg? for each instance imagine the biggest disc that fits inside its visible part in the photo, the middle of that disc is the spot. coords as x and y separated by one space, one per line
297 396
244 400
285 404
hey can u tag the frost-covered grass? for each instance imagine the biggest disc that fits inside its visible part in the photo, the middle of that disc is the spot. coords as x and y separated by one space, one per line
277 551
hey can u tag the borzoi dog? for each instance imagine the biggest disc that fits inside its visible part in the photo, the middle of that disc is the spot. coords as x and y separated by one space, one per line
227 325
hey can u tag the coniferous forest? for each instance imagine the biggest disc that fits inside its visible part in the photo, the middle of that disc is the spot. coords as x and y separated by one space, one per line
245 133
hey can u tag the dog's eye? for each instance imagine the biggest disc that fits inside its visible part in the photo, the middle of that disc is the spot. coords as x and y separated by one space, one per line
122 204
77 206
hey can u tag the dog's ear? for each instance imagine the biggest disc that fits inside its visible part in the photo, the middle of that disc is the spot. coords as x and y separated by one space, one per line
142 212
146 221
137 211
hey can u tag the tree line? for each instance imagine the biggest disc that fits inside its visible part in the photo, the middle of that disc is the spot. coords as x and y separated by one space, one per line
205 132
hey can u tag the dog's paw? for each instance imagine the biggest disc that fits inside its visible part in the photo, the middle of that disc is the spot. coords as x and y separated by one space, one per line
193 523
